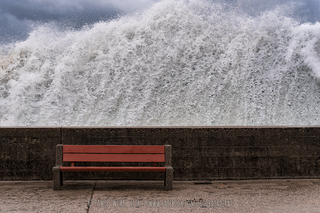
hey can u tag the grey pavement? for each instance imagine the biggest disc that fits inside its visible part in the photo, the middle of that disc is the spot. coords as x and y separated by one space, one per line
288 195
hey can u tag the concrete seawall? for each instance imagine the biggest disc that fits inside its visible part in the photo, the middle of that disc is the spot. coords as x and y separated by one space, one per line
198 153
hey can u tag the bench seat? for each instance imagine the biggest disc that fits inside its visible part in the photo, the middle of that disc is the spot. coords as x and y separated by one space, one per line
130 154
112 169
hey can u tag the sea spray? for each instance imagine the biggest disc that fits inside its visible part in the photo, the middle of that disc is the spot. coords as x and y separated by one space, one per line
178 63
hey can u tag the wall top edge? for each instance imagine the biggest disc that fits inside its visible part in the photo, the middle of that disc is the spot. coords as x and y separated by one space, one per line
159 127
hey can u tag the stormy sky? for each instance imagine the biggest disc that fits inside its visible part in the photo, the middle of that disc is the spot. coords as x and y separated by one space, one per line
19 17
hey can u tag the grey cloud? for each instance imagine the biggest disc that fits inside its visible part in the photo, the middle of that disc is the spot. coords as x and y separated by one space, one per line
49 9
12 29
302 10
17 16
308 10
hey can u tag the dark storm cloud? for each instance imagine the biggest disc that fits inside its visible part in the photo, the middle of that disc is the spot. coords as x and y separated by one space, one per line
73 13
17 17
55 9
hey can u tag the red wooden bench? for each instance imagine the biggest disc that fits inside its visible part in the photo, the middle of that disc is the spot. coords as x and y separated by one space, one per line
112 153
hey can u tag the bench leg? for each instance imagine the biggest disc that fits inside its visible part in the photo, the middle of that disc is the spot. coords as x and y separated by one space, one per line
168 179
57 178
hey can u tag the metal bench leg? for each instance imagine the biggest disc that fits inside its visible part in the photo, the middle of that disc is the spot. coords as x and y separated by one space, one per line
57 178
168 178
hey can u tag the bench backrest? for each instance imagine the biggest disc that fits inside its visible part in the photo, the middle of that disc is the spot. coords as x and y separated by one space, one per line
113 153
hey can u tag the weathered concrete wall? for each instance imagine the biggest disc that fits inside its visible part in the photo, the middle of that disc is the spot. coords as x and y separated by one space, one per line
27 153
198 152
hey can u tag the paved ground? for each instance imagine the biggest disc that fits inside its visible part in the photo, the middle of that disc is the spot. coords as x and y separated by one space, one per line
149 196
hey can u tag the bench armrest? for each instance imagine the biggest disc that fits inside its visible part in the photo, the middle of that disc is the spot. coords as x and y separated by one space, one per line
168 156
59 155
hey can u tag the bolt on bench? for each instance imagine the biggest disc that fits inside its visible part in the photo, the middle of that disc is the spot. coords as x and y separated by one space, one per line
112 153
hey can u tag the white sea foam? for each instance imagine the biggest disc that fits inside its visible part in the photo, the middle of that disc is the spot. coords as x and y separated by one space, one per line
178 63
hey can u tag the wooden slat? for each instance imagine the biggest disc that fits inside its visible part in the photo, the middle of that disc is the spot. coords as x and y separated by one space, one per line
113 158
113 169
112 149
